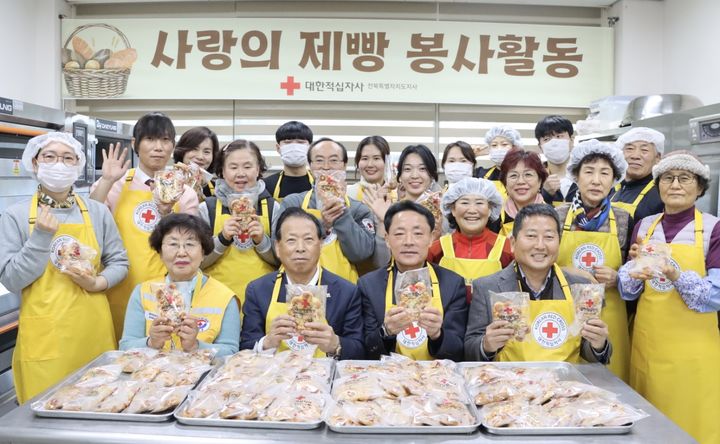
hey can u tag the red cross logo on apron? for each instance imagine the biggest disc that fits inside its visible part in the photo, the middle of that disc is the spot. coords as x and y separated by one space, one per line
148 216
549 330
588 259
244 236
412 331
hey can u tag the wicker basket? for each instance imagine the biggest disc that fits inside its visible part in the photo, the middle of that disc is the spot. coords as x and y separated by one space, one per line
96 83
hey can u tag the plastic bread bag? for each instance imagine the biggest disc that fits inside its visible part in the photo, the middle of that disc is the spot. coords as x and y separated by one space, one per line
243 207
61 397
297 407
390 176
357 387
432 411
195 176
432 200
652 256
500 390
513 307
306 303
347 413
120 399
329 187
448 387
309 383
76 258
170 302
154 398
503 414
169 185
413 291
134 359
392 412
588 301
99 376
242 408
601 412
89 398
202 405
150 370
319 368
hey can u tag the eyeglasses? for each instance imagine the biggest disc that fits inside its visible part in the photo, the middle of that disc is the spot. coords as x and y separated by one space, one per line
67 159
174 247
332 163
527 176
684 179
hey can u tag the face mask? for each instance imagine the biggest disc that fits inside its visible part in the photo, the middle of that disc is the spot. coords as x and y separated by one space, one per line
497 155
557 151
57 177
294 154
456 171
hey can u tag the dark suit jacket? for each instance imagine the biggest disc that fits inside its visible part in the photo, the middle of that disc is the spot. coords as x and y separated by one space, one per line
371 289
343 312
481 313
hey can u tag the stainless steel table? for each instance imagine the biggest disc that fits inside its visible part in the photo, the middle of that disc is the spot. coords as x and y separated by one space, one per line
21 426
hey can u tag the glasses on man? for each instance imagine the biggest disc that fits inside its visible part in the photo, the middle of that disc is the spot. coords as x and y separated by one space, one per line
330 163
67 159
174 247
527 176
683 179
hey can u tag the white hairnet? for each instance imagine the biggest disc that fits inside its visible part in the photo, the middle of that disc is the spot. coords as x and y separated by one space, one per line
504 131
37 143
473 186
593 146
644 134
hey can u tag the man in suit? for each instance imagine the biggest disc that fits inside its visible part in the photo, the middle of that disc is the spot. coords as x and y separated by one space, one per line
549 336
438 334
266 323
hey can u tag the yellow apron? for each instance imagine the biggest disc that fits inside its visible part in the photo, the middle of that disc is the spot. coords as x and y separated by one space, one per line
276 192
136 215
211 187
331 257
498 184
240 264
471 268
675 359
413 341
208 304
583 250
549 339
631 207
61 327
277 308
505 228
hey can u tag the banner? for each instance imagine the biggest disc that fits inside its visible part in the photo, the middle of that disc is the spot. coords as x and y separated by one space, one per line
338 60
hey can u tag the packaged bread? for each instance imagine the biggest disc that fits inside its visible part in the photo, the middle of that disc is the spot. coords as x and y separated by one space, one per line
413 291
588 301
296 407
242 208
170 302
652 257
432 200
169 185
306 303
329 187
76 258
153 398
120 399
513 307
134 359
97 376
88 398
390 175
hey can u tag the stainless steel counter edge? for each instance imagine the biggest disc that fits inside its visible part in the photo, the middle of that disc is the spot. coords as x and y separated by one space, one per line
21 426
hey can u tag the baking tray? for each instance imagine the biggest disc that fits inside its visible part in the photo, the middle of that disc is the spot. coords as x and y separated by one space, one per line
405 430
566 372
244 423
106 358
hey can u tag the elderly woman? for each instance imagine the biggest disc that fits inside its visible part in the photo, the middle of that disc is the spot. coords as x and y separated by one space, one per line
500 140
210 319
473 250
522 174
65 319
594 237
675 355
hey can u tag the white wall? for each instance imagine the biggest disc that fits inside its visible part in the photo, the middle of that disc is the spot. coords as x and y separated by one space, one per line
29 50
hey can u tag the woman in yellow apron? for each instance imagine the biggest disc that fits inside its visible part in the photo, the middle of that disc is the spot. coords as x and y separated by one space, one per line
210 319
595 235
65 319
199 146
523 175
473 250
243 250
675 357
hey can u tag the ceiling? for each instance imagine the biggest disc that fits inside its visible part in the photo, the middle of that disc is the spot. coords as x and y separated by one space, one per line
575 3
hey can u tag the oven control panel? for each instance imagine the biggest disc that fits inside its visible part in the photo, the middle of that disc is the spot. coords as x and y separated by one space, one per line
705 129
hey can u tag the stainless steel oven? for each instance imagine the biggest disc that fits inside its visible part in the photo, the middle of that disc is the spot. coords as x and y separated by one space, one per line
104 133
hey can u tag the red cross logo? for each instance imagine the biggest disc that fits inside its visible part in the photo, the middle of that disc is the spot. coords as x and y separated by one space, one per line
412 331
588 259
290 85
243 237
301 338
589 303
148 216
549 330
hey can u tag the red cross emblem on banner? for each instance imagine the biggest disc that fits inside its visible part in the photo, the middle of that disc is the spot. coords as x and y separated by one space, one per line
412 331
589 259
549 329
290 85
148 216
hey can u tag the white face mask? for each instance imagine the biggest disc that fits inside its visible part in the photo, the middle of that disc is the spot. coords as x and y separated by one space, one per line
57 177
456 171
294 154
497 155
557 151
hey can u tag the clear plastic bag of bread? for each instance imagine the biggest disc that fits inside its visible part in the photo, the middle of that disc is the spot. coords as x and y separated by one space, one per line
330 186
432 411
243 208
169 184
297 407
89 398
390 176
134 359
651 258
432 200
153 398
306 303
357 387
99 376
76 258
413 291
588 300
354 413
120 399
195 176
513 307
170 302
203 405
